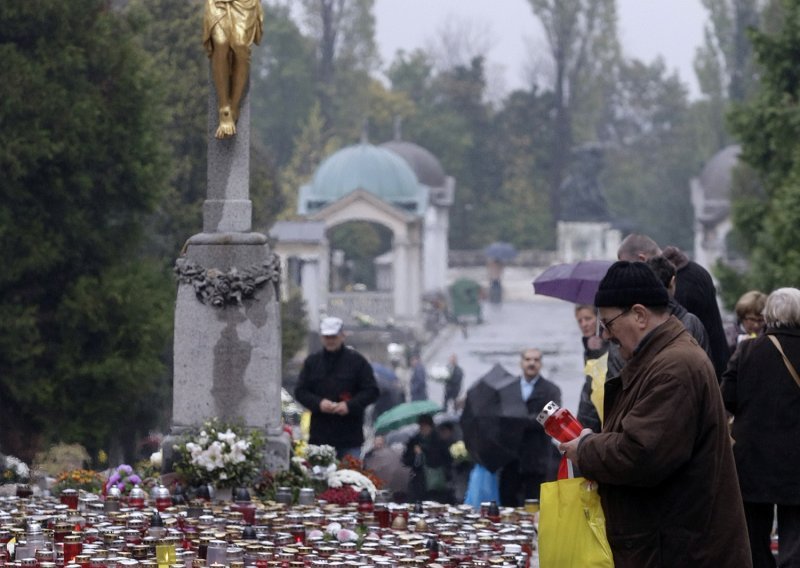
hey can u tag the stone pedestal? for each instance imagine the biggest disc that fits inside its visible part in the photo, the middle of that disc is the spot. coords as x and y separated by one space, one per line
227 362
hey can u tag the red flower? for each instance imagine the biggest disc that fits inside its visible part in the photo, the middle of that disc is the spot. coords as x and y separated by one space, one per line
340 495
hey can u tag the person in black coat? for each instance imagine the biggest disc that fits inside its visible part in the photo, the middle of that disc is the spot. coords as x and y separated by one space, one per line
537 459
429 457
452 387
764 398
336 384
694 290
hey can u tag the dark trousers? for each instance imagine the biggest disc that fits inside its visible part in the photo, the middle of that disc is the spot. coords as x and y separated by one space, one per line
516 486
759 517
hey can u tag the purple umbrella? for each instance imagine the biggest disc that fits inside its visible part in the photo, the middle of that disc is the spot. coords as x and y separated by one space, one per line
574 282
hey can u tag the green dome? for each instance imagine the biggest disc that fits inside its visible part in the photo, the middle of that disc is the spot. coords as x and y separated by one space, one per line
364 166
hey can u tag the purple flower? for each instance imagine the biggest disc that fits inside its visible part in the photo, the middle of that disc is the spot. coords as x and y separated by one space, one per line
134 479
125 468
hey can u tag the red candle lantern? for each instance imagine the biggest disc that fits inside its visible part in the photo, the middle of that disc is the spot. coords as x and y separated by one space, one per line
559 422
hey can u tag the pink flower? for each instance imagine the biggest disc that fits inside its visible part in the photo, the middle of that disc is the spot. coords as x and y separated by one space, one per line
346 535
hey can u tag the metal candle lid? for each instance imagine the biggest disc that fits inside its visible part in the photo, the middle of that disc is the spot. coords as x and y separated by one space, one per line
549 410
160 492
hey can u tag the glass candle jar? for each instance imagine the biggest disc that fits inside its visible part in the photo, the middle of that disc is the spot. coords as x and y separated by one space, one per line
559 422
136 497
72 548
69 497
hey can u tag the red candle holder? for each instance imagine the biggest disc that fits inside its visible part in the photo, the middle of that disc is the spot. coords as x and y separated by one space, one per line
69 497
559 422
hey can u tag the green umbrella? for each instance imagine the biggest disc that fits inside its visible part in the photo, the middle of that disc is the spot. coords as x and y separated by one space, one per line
403 414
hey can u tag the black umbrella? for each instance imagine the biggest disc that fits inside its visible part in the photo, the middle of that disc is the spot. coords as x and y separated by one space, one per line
494 419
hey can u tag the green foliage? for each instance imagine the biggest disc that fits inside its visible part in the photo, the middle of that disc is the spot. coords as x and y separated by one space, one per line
282 83
82 163
584 49
294 326
654 155
768 223
361 242
169 32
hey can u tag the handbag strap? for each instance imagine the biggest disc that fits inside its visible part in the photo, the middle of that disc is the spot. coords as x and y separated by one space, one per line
785 359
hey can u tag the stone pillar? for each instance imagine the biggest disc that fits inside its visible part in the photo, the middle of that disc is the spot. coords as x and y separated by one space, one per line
310 284
401 276
227 361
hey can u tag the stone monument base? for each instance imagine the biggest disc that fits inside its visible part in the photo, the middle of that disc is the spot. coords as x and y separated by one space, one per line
227 345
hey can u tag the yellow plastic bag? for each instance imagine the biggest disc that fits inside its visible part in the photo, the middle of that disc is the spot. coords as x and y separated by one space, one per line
572 527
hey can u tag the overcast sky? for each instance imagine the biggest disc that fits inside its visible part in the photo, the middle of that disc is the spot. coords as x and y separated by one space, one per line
672 29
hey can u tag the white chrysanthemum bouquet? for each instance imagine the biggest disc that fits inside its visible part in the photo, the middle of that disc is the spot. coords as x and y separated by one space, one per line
13 470
221 454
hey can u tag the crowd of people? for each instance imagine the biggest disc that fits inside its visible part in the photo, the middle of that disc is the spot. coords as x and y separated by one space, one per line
689 429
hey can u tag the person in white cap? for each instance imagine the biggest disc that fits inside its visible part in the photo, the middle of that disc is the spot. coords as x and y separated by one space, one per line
336 384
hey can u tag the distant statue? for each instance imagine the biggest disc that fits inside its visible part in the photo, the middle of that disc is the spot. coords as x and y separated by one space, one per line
581 196
230 27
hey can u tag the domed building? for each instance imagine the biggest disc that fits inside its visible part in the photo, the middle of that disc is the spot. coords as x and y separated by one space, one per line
441 187
400 187
711 200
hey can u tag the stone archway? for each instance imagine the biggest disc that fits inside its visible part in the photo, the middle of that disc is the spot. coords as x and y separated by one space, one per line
403 303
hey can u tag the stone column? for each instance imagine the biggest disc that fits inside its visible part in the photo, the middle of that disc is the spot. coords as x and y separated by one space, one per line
227 361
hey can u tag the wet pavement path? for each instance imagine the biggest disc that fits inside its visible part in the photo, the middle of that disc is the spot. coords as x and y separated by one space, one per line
508 328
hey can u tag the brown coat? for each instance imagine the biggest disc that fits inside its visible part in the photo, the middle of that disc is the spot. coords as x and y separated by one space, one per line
664 462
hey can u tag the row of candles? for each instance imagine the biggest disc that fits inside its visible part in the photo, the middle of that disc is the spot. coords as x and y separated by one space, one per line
45 533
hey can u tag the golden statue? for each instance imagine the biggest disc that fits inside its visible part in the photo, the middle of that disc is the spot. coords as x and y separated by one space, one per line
230 27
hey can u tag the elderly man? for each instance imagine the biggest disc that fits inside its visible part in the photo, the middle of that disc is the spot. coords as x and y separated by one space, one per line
663 461
336 384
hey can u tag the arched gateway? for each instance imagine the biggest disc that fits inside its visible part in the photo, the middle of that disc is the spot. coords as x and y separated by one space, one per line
380 185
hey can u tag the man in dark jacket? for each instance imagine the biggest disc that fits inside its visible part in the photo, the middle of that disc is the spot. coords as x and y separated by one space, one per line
665 272
694 290
336 384
663 461
537 460
452 387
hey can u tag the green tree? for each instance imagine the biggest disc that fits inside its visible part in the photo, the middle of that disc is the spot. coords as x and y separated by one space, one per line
724 64
169 32
654 153
346 53
768 127
282 83
82 167
582 39
525 134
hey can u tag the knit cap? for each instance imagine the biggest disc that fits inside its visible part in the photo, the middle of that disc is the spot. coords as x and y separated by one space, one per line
628 283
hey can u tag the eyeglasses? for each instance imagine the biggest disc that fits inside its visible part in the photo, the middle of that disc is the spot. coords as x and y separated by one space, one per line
754 319
606 325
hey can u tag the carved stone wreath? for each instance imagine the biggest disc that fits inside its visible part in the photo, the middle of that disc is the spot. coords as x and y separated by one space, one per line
219 289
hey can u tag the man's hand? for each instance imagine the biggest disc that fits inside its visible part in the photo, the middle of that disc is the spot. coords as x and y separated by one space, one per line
571 448
341 409
327 406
